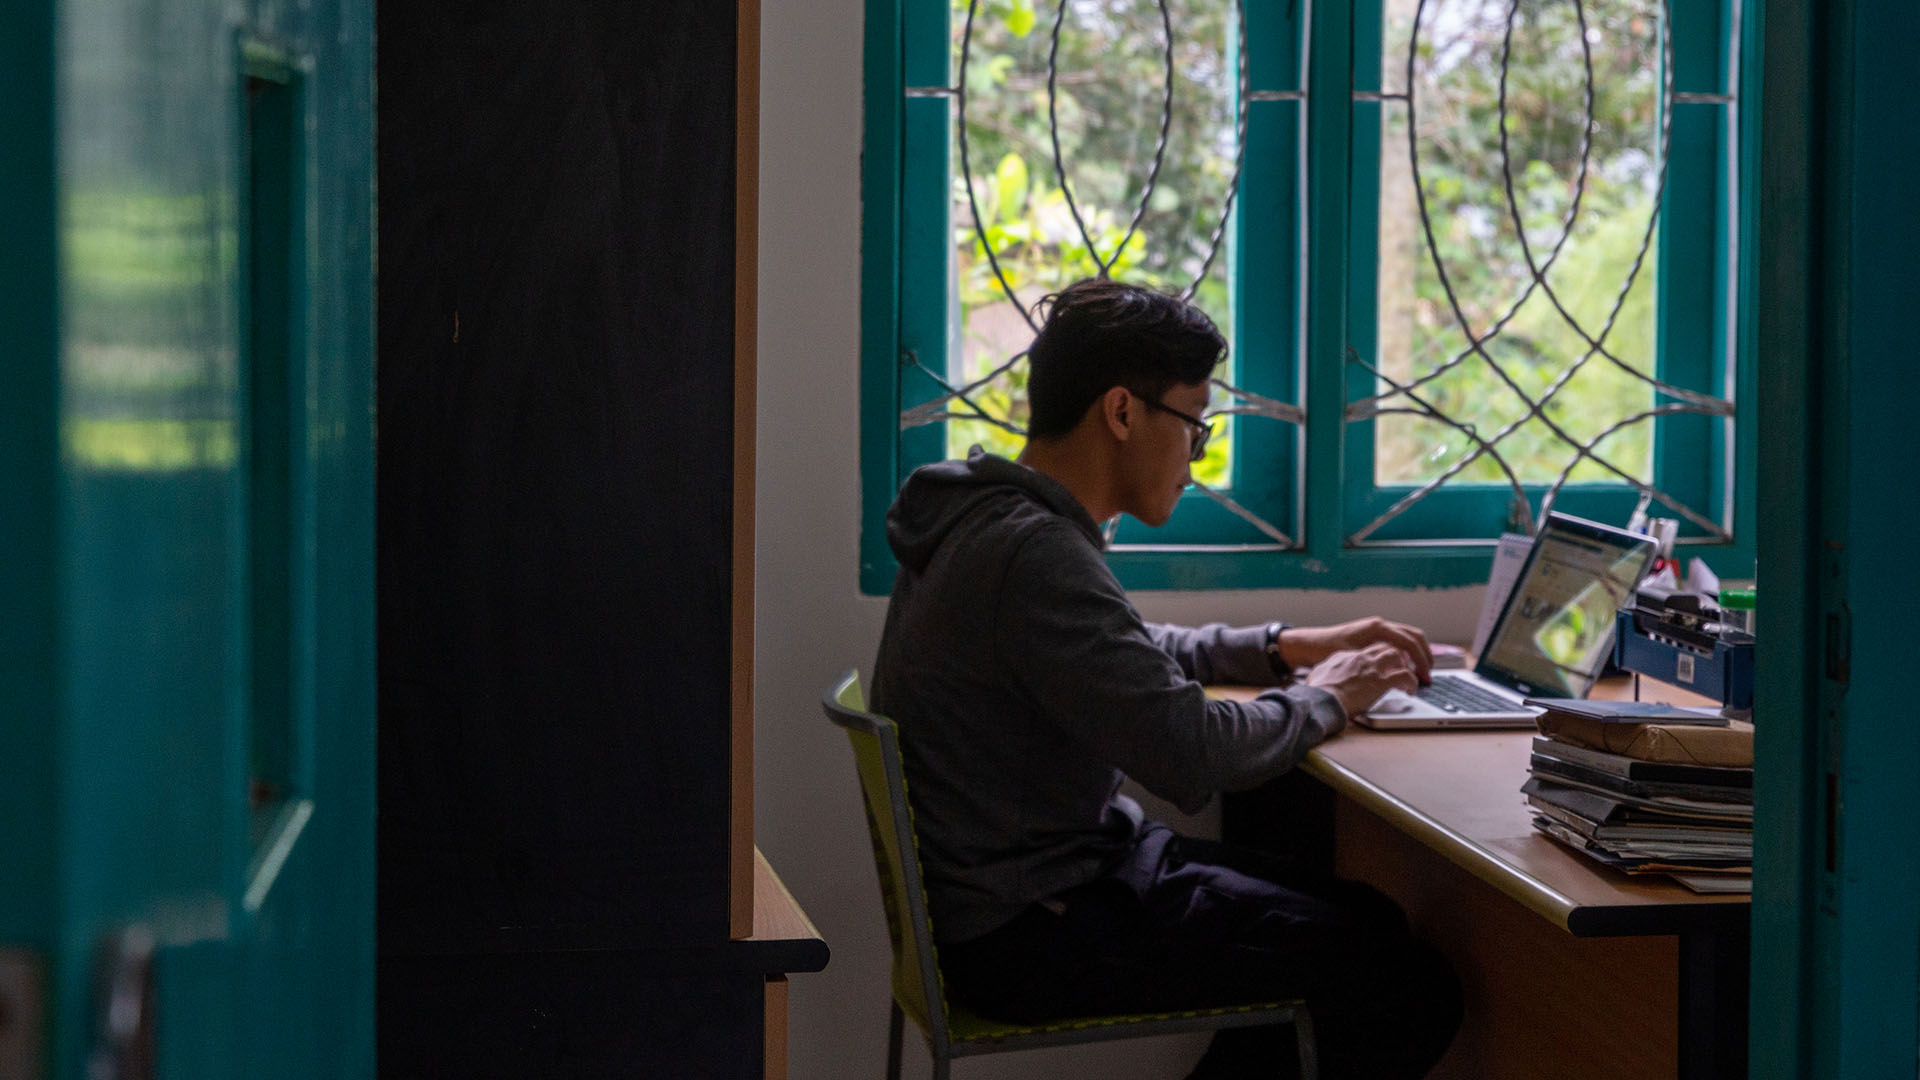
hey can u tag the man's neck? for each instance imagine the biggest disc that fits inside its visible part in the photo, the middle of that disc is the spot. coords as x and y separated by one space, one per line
1082 473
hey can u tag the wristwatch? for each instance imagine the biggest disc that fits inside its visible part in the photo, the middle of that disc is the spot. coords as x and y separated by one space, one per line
1280 666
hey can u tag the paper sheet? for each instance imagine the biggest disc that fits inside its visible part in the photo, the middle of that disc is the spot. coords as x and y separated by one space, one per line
1508 557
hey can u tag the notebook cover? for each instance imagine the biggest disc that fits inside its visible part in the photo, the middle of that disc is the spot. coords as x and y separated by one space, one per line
1605 810
1574 774
1632 769
1630 712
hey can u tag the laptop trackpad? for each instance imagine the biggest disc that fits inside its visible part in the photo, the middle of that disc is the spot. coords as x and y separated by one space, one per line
1395 701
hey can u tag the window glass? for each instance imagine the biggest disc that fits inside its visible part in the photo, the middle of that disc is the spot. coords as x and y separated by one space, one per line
1537 244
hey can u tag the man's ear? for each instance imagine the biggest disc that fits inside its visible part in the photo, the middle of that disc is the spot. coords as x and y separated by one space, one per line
1117 409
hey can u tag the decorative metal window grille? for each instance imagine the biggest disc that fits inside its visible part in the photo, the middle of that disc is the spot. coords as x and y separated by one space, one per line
1487 380
1586 330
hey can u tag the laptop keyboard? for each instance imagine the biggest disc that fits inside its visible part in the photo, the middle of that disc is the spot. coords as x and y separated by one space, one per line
1458 695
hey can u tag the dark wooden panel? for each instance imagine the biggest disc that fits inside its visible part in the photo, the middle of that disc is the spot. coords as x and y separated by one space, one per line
586 1015
1540 1002
556 402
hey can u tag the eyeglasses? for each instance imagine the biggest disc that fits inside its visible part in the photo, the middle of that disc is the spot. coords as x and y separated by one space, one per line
1202 430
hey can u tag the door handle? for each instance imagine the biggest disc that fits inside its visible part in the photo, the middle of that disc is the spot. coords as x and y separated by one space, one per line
22 1016
123 1007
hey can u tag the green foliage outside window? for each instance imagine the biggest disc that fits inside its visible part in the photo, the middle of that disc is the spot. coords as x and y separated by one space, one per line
1458 93
1108 100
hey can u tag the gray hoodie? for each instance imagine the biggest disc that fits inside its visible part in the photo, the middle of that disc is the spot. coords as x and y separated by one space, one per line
1024 684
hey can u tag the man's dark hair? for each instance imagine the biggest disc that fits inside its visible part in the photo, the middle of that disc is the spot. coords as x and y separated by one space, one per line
1100 334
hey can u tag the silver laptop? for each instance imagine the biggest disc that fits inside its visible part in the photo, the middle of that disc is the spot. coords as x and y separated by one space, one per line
1552 637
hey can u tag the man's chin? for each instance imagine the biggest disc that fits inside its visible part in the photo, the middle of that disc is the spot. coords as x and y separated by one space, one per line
1157 519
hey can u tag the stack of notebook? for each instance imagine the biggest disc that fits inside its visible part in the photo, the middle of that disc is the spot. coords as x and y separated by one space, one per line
1646 788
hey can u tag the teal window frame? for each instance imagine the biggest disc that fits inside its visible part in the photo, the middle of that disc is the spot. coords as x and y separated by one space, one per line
1446 540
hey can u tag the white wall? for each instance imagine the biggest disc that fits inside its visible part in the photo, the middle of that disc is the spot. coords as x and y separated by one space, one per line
812 621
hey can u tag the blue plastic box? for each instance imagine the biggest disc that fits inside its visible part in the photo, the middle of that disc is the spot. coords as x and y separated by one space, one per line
1725 673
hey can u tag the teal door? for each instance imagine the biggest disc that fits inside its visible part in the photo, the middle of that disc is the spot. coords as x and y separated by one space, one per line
1836 900
186 553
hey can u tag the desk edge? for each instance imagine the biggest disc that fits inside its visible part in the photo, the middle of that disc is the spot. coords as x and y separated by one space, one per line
1477 860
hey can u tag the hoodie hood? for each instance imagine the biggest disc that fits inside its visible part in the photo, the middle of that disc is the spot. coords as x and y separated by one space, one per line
938 497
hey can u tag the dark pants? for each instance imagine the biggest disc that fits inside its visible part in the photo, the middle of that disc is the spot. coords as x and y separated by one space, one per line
1189 923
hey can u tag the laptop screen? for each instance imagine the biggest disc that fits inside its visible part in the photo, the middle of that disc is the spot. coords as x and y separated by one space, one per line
1557 627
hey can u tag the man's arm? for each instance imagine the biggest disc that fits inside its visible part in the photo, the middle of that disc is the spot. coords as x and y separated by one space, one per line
1306 646
1216 654
1221 655
1076 646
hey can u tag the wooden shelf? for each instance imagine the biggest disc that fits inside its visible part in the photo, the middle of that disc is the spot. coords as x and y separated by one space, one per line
784 940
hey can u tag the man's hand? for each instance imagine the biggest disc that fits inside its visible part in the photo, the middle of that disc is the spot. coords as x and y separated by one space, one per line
1305 646
1359 676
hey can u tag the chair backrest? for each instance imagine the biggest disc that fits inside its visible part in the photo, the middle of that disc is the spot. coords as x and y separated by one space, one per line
876 752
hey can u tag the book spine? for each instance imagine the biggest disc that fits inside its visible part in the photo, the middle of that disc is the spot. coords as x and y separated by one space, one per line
1572 772
1587 804
1612 764
1563 817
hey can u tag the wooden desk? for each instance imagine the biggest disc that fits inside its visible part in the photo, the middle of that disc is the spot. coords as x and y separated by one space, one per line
1571 969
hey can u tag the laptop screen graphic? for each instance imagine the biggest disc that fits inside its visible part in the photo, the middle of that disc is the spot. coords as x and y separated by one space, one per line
1557 627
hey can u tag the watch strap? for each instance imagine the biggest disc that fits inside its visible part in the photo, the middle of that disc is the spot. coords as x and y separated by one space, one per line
1281 669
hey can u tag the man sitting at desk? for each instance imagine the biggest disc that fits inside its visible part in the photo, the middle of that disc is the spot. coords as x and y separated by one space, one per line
1025 683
